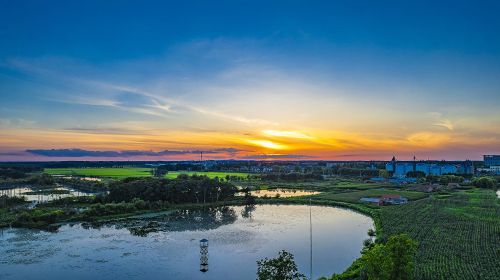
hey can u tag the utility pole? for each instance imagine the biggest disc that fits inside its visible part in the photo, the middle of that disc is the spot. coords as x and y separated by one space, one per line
310 240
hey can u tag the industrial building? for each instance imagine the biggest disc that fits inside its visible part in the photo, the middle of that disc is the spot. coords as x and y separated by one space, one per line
491 160
492 164
401 168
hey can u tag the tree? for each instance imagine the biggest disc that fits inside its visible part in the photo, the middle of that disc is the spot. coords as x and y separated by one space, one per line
384 173
392 260
249 198
432 178
484 182
377 264
401 249
282 267
415 174
446 179
159 171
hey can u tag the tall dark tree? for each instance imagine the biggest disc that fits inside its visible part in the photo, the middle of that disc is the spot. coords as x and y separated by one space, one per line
282 267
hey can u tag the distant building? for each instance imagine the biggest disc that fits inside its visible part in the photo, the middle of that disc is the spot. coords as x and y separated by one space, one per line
370 200
449 169
386 199
495 169
393 199
491 160
400 169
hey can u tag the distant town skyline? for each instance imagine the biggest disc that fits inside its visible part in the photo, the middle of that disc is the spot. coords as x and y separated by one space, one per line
270 80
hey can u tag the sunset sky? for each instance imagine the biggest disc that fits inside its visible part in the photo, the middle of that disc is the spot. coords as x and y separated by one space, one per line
288 80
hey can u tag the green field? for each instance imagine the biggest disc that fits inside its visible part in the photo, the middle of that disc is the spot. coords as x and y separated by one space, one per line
328 185
359 186
355 196
131 172
458 236
458 232
174 174
101 172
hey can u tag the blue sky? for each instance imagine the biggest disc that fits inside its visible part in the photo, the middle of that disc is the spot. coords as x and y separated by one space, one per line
365 78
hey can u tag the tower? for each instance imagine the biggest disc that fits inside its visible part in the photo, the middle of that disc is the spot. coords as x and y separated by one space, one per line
204 255
393 161
414 164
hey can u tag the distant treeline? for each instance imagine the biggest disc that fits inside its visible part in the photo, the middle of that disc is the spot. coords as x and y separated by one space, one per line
181 166
360 172
183 189
293 176
17 171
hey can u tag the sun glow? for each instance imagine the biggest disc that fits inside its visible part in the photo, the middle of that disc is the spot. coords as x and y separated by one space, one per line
289 134
267 144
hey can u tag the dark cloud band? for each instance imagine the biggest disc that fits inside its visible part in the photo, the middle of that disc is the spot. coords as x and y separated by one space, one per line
127 153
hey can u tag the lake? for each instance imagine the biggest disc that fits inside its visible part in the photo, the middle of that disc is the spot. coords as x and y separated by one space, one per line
238 236
279 193
31 193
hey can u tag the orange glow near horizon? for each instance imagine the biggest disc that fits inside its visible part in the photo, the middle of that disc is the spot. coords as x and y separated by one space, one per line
322 145
267 144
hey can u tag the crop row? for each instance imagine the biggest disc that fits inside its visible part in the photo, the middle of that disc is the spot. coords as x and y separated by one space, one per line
459 236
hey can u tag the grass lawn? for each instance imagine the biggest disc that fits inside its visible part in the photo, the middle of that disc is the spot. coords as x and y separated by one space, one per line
131 172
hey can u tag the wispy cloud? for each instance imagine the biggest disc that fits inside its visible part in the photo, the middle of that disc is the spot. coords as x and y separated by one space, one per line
108 93
445 123
288 134
439 121
16 122
277 156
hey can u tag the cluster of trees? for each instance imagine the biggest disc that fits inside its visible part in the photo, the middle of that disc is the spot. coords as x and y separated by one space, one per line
415 174
485 182
183 189
6 201
42 180
291 177
17 172
359 172
282 267
180 166
116 208
159 171
41 218
392 260
446 179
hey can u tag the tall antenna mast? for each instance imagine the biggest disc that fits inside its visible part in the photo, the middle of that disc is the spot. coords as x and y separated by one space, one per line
310 241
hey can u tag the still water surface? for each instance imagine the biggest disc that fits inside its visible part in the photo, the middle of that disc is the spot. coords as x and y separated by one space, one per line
31 193
279 193
238 237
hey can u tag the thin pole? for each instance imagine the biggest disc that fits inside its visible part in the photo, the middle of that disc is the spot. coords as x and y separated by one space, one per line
311 240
